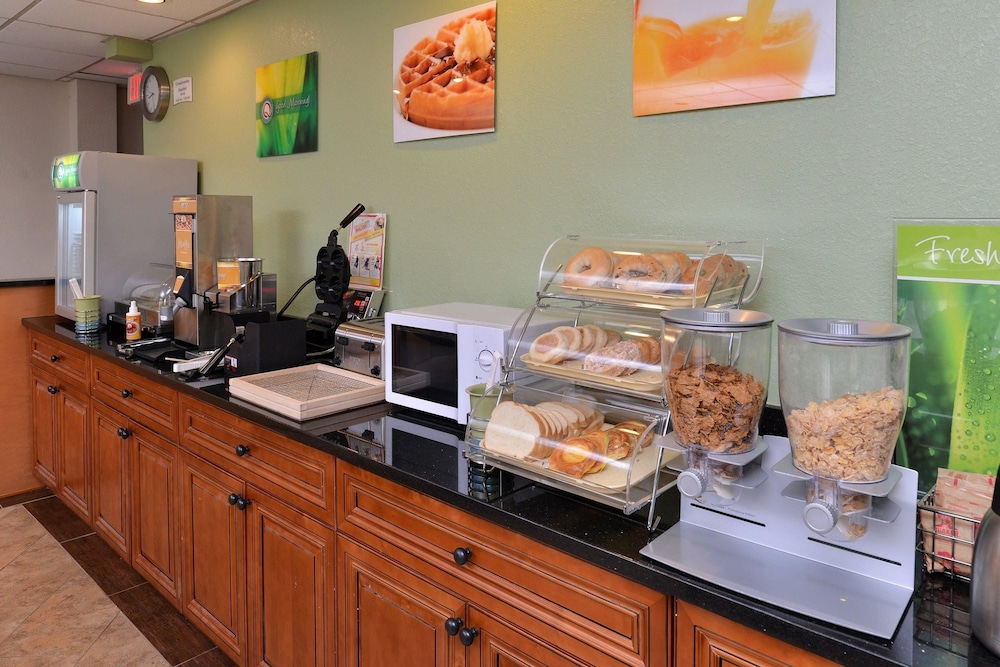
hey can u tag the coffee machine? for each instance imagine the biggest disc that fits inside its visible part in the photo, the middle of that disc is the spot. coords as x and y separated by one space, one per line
219 284
820 523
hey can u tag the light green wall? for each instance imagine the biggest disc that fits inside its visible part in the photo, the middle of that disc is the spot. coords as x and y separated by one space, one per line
912 132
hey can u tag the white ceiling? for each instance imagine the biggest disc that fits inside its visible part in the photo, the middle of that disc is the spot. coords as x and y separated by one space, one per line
61 40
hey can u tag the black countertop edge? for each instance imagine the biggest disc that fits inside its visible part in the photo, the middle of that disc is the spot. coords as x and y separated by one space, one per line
38 282
618 554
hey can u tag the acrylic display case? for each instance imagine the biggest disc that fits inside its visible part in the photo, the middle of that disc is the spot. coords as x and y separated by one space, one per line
571 439
601 358
652 273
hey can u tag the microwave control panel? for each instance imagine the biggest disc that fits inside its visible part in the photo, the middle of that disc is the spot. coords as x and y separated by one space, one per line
483 341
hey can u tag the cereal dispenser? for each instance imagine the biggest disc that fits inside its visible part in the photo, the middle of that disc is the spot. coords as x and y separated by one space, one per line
822 523
843 395
716 364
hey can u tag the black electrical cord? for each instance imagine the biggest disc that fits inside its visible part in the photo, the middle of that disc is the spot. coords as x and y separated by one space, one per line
294 296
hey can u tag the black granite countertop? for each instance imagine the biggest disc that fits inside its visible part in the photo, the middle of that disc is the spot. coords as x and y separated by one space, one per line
934 631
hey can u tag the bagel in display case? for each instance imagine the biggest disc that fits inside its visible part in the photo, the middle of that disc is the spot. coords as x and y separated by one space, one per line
657 273
609 348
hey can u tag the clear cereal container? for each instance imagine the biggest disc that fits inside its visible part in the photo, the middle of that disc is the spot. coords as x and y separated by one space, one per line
716 366
651 272
843 387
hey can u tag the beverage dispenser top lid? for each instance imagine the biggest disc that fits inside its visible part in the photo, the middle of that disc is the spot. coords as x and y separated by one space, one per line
835 331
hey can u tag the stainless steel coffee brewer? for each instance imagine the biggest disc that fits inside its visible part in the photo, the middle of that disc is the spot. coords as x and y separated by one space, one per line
219 283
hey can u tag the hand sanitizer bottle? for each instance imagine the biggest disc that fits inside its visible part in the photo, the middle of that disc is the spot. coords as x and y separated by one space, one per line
133 323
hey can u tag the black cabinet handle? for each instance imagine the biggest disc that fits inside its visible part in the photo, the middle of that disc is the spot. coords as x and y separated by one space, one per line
452 626
238 500
52 389
462 555
467 636
242 450
126 393
123 432
54 358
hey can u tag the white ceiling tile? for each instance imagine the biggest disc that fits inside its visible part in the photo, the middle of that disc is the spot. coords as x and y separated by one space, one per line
80 15
31 72
183 10
61 40
57 39
27 55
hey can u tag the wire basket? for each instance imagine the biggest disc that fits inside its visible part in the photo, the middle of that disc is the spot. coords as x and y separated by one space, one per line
946 539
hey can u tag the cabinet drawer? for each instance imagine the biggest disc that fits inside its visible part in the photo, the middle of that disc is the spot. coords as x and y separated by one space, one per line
69 363
298 474
151 404
505 570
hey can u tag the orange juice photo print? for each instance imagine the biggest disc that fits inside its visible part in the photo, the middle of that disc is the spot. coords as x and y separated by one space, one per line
715 53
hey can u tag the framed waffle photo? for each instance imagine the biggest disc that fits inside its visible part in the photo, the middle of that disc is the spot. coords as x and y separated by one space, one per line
444 75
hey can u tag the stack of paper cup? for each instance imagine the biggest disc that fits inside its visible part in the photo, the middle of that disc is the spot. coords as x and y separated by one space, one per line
88 314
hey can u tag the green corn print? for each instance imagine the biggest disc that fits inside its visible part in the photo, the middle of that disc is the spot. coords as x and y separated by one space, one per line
975 424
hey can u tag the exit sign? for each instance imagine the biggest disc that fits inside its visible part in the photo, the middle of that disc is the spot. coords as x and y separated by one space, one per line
135 88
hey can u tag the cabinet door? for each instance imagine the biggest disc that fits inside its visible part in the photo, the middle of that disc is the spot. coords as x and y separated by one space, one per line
155 546
391 616
73 450
498 644
290 577
43 419
111 485
706 640
214 554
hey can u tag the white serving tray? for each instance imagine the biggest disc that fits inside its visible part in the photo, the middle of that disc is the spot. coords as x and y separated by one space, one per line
307 392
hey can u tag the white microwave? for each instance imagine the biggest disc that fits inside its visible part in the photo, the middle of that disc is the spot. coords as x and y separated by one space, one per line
433 353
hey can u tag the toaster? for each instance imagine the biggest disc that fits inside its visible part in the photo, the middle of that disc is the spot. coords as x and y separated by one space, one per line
358 346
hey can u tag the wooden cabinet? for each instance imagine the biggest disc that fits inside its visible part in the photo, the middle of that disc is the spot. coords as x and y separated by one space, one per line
476 593
135 487
134 431
703 639
258 571
60 408
376 594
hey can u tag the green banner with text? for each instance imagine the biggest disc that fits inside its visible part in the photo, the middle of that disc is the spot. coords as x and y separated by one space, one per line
948 292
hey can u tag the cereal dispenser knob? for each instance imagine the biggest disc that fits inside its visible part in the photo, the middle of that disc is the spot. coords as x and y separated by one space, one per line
820 516
843 328
692 483
716 316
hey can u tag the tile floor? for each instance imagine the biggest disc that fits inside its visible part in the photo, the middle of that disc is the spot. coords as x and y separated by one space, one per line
66 598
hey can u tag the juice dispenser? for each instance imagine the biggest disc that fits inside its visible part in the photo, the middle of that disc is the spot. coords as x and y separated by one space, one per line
716 366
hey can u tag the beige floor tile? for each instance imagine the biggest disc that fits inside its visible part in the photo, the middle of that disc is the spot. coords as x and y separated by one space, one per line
51 612
19 530
67 623
122 645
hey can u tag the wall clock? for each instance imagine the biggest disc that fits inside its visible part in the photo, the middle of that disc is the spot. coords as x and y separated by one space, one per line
155 90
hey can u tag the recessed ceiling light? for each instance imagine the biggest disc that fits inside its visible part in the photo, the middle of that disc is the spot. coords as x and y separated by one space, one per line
152 2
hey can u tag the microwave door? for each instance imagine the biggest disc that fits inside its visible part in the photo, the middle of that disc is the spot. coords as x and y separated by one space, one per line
76 252
423 367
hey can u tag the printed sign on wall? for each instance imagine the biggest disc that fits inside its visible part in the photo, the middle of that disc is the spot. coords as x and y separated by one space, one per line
287 106
947 288
716 53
